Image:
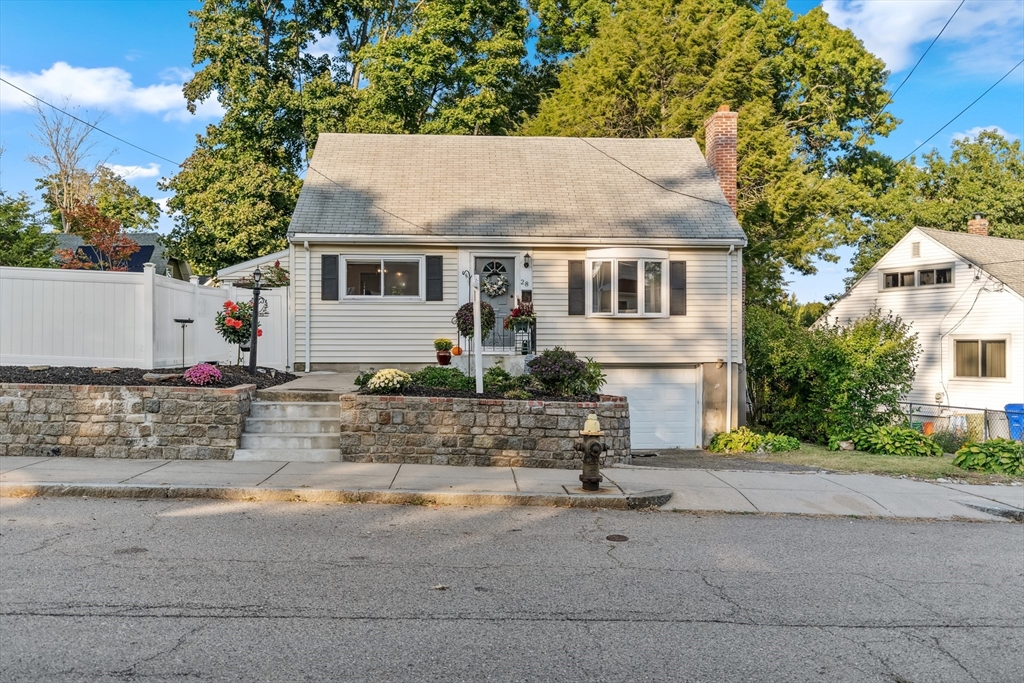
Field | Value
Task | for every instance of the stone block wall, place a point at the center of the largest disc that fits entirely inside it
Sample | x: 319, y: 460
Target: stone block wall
x: 480, y: 432
x: 174, y: 423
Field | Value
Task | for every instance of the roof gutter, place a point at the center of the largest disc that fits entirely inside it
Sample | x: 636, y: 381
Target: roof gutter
x: 468, y: 240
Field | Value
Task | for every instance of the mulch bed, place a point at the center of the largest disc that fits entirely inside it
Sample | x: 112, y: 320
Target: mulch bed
x: 464, y: 393
x: 233, y: 375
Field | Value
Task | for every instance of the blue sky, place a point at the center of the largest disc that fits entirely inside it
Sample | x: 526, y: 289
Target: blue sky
x: 130, y: 59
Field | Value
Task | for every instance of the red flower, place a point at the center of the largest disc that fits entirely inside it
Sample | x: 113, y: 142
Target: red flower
x: 229, y: 321
x: 237, y: 324
x: 228, y: 305
x: 259, y: 333
x: 277, y: 264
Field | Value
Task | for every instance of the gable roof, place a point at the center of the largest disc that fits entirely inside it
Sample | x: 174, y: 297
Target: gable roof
x: 480, y: 186
x: 999, y: 256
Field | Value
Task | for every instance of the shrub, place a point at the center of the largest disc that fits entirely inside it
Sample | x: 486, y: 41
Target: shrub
x: 950, y: 441
x: 497, y: 379
x: 388, y: 379
x: 442, y: 378
x: 558, y: 371
x: 827, y: 382
x: 892, y: 440
x: 443, y: 344
x: 202, y: 374
x: 517, y: 394
x: 743, y: 440
x: 364, y: 377
x: 592, y: 380
x: 1000, y: 456
x: 464, y: 319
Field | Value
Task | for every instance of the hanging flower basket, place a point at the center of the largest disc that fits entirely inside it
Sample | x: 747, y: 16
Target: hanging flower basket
x: 464, y: 319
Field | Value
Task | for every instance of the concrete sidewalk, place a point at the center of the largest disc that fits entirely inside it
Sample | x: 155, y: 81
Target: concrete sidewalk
x: 816, y: 493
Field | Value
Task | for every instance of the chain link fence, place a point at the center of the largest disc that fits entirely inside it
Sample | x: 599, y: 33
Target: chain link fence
x: 953, y: 426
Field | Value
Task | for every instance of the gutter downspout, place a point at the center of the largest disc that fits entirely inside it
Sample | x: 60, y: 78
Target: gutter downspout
x: 308, y: 305
x: 728, y: 351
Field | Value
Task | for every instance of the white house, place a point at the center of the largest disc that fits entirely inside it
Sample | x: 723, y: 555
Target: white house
x: 963, y: 294
x: 629, y: 249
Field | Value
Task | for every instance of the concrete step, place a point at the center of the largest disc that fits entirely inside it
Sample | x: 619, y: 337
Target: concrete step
x: 291, y: 441
x: 299, y: 395
x: 285, y: 455
x: 292, y: 425
x: 307, y: 410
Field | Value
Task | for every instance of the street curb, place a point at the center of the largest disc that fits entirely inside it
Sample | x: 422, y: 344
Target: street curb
x: 1012, y: 514
x: 310, y: 495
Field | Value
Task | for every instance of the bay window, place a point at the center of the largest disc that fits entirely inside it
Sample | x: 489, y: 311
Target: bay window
x: 627, y: 287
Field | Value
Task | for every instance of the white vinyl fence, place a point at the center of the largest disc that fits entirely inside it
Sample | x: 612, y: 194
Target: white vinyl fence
x: 93, y: 318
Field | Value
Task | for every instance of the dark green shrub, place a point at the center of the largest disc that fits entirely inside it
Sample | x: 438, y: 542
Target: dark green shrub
x: 743, y: 440
x: 592, y: 380
x: 363, y: 377
x: 437, y: 377
x: 1000, y: 456
x: 498, y: 380
x: 517, y: 394
x: 558, y: 371
x: 831, y: 380
x: 893, y: 440
x: 950, y: 441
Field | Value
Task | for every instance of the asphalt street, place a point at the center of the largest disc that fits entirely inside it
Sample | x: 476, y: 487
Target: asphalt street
x: 114, y: 590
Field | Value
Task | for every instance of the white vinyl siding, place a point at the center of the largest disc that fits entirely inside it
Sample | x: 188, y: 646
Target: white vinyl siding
x: 381, y: 332
x: 968, y: 309
x: 697, y: 337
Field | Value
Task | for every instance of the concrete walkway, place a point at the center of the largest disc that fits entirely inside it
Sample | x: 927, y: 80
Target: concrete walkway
x: 858, y: 495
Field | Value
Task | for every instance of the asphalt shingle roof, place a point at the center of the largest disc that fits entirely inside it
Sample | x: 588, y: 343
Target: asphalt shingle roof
x: 511, y: 186
x: 1003, y: 258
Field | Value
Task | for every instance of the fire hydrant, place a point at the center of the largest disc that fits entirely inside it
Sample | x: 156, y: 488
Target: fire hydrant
x: 592, y: 448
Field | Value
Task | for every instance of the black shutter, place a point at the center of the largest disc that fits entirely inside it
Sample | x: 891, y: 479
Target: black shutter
x: 435, y: 278
x: 577, y: 289
x: 677, y: 285
x: 329, y: 278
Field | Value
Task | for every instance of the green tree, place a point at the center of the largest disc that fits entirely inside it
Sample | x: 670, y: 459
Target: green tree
x: 808, y: 96
x: 115, y: 198
x: 984, y: 174
x: 23, y: 241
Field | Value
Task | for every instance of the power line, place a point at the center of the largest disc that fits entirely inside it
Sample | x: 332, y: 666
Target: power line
x: 976, y: 100
x: 654, y: 182
x: 84, y: 122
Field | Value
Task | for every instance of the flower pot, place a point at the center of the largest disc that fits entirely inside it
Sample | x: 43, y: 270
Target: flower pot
x: 521, y: 325
x: 444, y: 357
x: 244, y: 347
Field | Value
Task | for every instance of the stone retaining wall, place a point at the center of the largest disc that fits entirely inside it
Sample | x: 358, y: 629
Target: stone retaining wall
x: 481, y: 432
x: 174, y: 423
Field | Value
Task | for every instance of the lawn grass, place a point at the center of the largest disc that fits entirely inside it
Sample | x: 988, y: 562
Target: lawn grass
x: 811, y: 455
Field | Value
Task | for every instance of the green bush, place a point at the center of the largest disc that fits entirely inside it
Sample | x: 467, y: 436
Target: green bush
x: 592, y: 380
x: 437, y: 377
x: 950, y: 441
x: 1000, y: 456
x: 743, y: 440
x: 517, y: 394
x: 558, y: 371
x: 364, y: 377
x: 827, y: 382
x: 892, y: 440
x: 497, y: 379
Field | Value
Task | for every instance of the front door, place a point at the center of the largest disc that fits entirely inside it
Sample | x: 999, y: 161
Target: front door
x: 500, y: 273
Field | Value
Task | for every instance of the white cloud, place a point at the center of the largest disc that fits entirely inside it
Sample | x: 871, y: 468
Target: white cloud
x: 972, y: 134
x: 323, y: 45
x: 985, y: 34
x: 108, y: 88
x: 150, y: 171
x: 162, y: 203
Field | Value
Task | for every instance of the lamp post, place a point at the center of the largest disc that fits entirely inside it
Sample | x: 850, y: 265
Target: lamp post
x: 256, y: 277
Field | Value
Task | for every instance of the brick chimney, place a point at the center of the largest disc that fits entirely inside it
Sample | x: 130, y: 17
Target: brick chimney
x: 978, y: 225
x: 720, y: 150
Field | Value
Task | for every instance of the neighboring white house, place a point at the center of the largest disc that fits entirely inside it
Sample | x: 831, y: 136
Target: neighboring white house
x: 629, y: 249
x: 963, y: 294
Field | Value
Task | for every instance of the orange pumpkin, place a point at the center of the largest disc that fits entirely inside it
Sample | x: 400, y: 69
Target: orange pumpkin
x: 456, y: 350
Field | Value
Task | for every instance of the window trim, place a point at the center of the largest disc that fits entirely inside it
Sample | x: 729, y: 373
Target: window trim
x: 917, y: 269
x: 641, y: 260
x: 978, y: 338
x: 421, y: 259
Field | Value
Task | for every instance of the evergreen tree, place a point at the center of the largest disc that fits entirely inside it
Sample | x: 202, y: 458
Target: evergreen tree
x: 23, y: 241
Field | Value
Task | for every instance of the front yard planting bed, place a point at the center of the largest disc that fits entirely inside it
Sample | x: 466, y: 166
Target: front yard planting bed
x: 810, y: 455
x: 233, y: 375
x: 437, y: 392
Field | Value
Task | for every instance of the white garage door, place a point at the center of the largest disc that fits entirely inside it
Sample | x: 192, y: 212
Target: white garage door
x: 663, y: 407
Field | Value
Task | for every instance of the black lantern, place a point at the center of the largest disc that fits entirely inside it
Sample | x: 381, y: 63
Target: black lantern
x: 254, y: 332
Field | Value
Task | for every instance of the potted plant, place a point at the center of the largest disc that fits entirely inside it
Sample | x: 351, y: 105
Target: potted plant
x: 234, y: 323
x: 443, y: 346
x: 521, y: 317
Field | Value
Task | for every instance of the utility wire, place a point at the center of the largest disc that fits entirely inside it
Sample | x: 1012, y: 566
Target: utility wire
x: 976, y: 100
x: 82, y: 121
